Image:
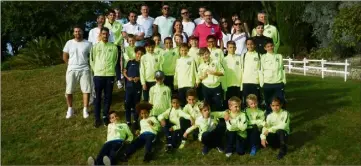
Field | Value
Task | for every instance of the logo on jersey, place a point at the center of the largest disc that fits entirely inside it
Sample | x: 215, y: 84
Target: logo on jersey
x: 256, y: 59
x: 173, y: 53
x: 164, y: 93
x: 237, y: 63
x: 156, y: 60
x: 216, y: 54
x: 277, y: 60
x: 213, y: 65
x: 212, y: 31
x: 189, y: 63
x: 269, y: 31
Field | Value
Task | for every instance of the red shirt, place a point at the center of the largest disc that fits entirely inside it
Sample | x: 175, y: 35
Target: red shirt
x: 202, y: 31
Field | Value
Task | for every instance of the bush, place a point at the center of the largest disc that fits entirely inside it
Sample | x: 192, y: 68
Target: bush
x: 322, y: 53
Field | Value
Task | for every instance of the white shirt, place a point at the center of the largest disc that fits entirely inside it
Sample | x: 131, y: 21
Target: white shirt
x: 225, y: 39
x: 184, y: 39
x: 240, y: 40
x: 188, y: 27
x: 147, y: 24
x: 135, y: 29
x: 78, y: 54
x: 94, y: 34
x: 165, y: 26
x: 201, y: 21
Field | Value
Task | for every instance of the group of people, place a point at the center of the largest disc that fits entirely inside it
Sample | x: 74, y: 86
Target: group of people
x: 180, y: 77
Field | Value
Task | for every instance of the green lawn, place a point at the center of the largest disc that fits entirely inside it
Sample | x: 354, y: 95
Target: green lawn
x: 325, y: 122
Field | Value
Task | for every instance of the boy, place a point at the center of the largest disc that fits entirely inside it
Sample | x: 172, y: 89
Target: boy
x: 259, y: 39
x: 118, y: 133
x: 232, y: 68
x: 251, y: 73
x: 216, y: 53
x: 157, y: 40
x: 149, y: 63
x: 149, y: 127
x: 133, y: 86
x: 170, y: 57
x: 236, y: 123
x: 178, y: 40
x: 159, y: 95
x: 193, y: 51
x: 209, y: 74
x: 129, y: 53
x: 277, y: 128
x: 185, y: 76
x: 256, y: 119
x: 274, y: 77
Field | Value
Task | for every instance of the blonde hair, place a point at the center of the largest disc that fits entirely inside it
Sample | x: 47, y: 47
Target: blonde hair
x: 234, y: 99
x: 252, y: 97
x: 203, y: 50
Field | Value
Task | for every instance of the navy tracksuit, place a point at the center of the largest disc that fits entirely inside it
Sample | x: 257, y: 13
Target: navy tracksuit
x: 133, y: 91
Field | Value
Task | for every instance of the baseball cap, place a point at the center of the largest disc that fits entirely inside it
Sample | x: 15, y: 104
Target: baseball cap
x: 159, y: 74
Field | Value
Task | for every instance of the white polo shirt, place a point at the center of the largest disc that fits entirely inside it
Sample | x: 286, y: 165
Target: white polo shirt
x: 188, y: 27
x: 135, y: 29
x: 93, y: 36
x: 78, y: 54
x: 240, y: 40
x: 147, y: 24
x: 165, y: 26
x: 201, y: 21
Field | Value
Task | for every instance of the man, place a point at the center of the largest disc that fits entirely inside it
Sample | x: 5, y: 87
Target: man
x: 116, y: 28
x: 76, y: 56
x: 133, y: 28
x: 208, y: 28
x: 94, y: 34
x: 259, y: 39
x: 269, y: 30
x: 103, y: 58
x: 164, y: 24
x: 146, y: 22
x: 201, y: 18
x: 119, y: 16
x: 188, y: 24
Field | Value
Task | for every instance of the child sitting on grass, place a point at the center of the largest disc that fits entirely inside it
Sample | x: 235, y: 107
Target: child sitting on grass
x: 118, y: 133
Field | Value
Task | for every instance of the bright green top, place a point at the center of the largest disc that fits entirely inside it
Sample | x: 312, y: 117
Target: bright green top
x: 232, y: 71
x: 185, y: 72
x: 237, y: 122
x: 119, y: 131
x: 272, y: 69
x: 255, y: 117
x: 193, y: 111
x: 277, y: 121
x: 116, y: 29
x: 193, y: 52
x: 146, y: 127
x: 129, y: 54
x: 103, y: 58
x: 149, y: 64
x: 203, y: 124
x: 211, y: 81
x: 170, y: 59
x: 251, y: 68
x: 158, y: 50
x: 216, y: 54
x: 160, y: 97
x: 173, y: 115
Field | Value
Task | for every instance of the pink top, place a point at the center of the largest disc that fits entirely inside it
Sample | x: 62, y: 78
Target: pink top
x: 202, y: 31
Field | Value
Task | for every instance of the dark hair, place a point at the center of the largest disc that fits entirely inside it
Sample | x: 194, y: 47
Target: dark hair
x: 110, y: 11
x: 104, y: 29
x: 184, y: 45
x: 131, y: 36
x: 211, y: 37
x: 231, y: 42
x: 235, y: 14
x: 167, y: 38
x: 262, y: 12
x: 175, y: 23
x: 143, y: 105
x: 193, y: 38
x: 77, y: 26
x: 139, y: 48
x: 113, y: 112
x: 224, y: 30
x: 149, y: 43
x: 191, y: 92
x: 174, y: 96
x: 132, y: 12
x: 204, y: 7
x: 156, y: 35
x: 269, y: 41
x: 277, y: 99
x: 203, y: 50
x: 250, y: 39
x: 179, y: 35
x: 259, y: 23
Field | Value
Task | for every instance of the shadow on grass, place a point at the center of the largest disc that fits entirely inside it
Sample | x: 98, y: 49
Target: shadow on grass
x: 300, y: 138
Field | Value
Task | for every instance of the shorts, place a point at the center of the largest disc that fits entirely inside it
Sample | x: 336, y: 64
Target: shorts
x: 73, y: 77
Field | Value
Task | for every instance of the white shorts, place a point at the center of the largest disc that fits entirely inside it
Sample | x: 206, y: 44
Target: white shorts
x: 73, y: 77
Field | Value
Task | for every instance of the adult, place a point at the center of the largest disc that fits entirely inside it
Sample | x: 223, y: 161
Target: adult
x: 94, y: 34
x: 119, y: 16
x: 269, y: 30
x: 206, y: 29
x: 234, y: 18
x: 116, y: 28
x: 146, y: 22
x: 164, y: 24
x: 132, y: 27
x: 76, y: 56
x: 188, y: 24
x: 239, y: 37
x: 201, y: 18
x: 178, y: 29
x: 103, y: 59
x: 260, y: 40
x: 226, y: 32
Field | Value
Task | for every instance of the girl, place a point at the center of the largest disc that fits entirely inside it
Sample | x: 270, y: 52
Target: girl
x: 239, y: 36
x: 226, y: 32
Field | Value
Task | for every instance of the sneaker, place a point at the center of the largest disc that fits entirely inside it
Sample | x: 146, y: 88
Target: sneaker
x: 228, y: 154
x: 119, y: 84
x: 106, y: 161
x: 91, y: 161
x: 168, y: 148
x: 220, y: 149
x: 85, y: 113
x: 69, y: 114
x: 205, y: 150
x: 181, y: 146
x: 253, y: 151
x: 97, y: 123
x: 106, y: 121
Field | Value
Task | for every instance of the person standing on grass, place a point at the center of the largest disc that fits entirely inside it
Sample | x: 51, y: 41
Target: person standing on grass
x: 103, y: 59
x: 164, y: 24
x: 76, y: 56
x: 135, y: 29
x: 188, y: 24
x: 146, y: 22
x: 119, y: 16
x: 208, y: 28
x: 202, y: 16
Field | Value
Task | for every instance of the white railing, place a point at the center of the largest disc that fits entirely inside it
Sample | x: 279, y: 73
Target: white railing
x: 323, y: 69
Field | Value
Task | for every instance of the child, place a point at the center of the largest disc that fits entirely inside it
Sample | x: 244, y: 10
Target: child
x: 170, y: 57
x: 274, y: 77
x: 132, y: 85
x: 178, y: 40
x: 149, y: 63
x: 232, y: 69
x: 159, y: 95
x: 277, y: 128
x: 157, y: 41
x: 149, y: 127
x: 216, y: 53
x: 129, y: 53
x: 260, y: 39
x: 209, y: 74
x: 251, y: 73
x: 171, y: 125
x: 193, y: 51
x: 239, y: 37
x: 236, y: 123
x: 185, y: 76
x: 118, y: 133
x: 210, y: 134
x: 256, y: 119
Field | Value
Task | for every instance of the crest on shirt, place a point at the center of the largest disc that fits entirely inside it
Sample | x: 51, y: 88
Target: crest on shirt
x: 256, y: 59
x: 109, y: 50
x: 189, y: 63
x: 237, y: 62
x: 277, y: 60
x: 269, y: 31
x: 213, y: 65
x: 216, y: 54
x: 164, y: 93
x: 173, y: 54
x: 156, y: 60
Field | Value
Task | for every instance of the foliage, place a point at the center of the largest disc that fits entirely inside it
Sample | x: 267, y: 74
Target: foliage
x: 322, y: 53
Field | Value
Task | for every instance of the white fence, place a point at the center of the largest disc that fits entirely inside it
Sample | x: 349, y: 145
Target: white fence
x: 291, y: 66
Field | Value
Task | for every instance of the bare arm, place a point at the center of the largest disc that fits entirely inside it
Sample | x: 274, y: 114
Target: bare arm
x: 155, y: 29
x: 66, y: 57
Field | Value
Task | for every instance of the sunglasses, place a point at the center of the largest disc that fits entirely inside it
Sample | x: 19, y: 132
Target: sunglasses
x: 166, y: 8
x: 223, y: 22
x: 184, y: 13
x: 238, y: 24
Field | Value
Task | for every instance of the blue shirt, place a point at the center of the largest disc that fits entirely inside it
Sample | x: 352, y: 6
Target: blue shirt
x: 133, y: 71
x: 123, y: 21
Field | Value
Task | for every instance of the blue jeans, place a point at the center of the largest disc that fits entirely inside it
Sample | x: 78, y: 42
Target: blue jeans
x: 103, y: 83
x: 146, y: 139
x: 233, y: 139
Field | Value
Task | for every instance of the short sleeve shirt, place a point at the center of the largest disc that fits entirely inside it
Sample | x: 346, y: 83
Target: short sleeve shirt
x: 202, y: 31
x: 147, y: 24
x: 135, y: 29
x: 78, y: 54
x: 188, y: 27
x: 165, y: 26
x: 94, y: 37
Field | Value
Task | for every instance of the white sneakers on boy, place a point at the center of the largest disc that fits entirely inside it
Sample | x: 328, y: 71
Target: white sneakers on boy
x: 69, y: 113
x: 85, y: 113
x: 106, y: 161
x: 228, y: 154
x: 119, y: 84
x: 91, y: 161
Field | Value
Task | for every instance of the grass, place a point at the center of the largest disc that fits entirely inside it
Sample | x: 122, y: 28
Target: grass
x: 325, y: 122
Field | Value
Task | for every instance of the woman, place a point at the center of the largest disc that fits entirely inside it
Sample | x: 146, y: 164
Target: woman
x: 226, y: 33
x: 178, y: 29
x: 239, y: 36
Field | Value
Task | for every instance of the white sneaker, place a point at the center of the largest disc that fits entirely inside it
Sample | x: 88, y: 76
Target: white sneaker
x: 119, y: 84
x: 85, y: 113
x: 106, y: 161
x: 91, y: 161
x: 69, y: 114
x: 228, y: 154
x: 181, y: 146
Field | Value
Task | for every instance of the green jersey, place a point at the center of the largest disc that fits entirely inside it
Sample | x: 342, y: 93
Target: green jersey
x: 146, y: 127
x: 170, y: 59
x: 272, y: 69
x: 103, y: 58
x: 210, y: 81
x: 119, y: 131
x: 277, y: 121
x: 149, y: 64
x: 116, y: 29
x: 255, y: 117
x: 173, y: 115
x: 160, y: 97
x: 185, y: 72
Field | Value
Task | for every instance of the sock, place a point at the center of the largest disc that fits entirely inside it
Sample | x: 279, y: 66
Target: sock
x: 70, y: 108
